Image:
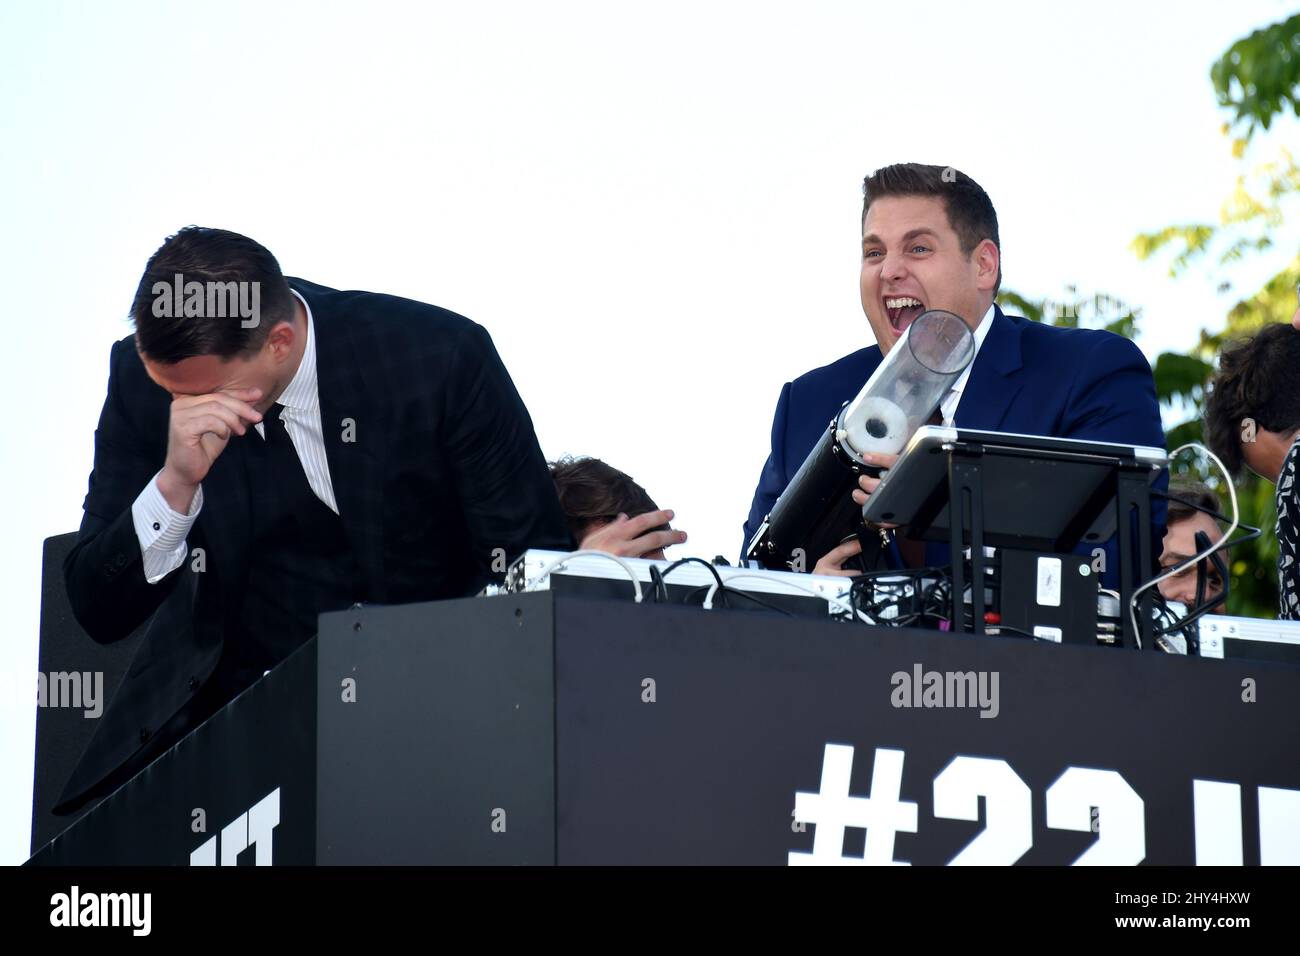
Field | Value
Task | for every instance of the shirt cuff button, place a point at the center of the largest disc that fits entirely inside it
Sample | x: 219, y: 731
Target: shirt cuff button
x: 157, y: 526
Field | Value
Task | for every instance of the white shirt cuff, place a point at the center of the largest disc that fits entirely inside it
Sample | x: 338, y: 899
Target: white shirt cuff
x: 161, y: 531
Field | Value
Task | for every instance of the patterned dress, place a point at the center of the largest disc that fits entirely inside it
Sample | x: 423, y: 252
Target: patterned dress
x: 1288, y: 514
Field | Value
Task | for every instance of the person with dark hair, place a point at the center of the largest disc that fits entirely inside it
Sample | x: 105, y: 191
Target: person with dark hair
x: 608, y: 511
x: 271, y: 449
x: 1191, y: 509
x: 1252, y: 419
x: 930, y: 240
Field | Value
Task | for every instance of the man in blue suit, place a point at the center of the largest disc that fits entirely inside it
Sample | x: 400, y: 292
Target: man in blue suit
x: 930, y: 241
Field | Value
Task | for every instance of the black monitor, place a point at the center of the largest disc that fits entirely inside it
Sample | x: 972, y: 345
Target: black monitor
x: 1022, y: 492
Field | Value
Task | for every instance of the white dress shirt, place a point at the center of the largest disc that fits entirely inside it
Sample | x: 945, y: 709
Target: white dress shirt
x: 950, y: 401
x: 162, y: 531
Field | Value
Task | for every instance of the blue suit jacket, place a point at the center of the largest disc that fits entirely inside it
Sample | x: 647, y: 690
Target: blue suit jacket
x: 1028, y: 378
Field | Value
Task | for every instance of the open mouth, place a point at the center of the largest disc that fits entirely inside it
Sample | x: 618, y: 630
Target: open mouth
x: 903, y: 311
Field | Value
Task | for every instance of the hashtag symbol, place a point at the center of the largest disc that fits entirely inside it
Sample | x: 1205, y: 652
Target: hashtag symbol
x: 832, y: 809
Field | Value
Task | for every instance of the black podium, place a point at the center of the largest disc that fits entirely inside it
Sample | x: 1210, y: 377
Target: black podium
x: 543, y: 729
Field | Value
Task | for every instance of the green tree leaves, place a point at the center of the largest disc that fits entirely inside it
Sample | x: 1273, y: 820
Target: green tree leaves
x: 1258, y: 77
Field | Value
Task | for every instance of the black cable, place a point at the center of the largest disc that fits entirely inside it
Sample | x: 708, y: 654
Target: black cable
x: 872, y: 599
x: 724, y: 591
x: 1252, y: 531
x: 1165, y: 616
x: 657, y: 586
x: 680, y: 561
x: 1013, y: 630
x: 1203, y: 604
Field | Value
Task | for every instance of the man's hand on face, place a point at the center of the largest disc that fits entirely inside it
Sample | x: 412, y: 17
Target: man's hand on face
x: 632, y: 537
x: 201, y: 426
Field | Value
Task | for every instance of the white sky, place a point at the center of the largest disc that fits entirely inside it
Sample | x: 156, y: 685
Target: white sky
x: 653, y: 209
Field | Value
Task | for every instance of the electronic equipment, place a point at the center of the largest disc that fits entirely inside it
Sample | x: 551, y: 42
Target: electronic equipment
x: 1051, y: 596
x: 1026, y: 493
x: 1244, y: 638
x: 816, y: 511
x: 1025, y: 596
x: 1017, y: 470
x: 690, y: 581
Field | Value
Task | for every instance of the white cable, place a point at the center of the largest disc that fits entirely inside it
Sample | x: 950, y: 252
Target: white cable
x: 713, y: 588
x: 1195, y: 559
x: 559, y: 562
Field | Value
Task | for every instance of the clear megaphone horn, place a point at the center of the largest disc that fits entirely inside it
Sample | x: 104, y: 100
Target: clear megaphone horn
x: 815, y: 513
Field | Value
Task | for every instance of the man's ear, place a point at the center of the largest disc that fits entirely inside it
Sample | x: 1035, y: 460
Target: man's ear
x: 987, y: 262
x: 281, y: 339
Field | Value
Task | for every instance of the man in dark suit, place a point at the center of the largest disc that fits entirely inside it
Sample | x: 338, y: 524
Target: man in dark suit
x: 930, y: 241
x: 271, y: 449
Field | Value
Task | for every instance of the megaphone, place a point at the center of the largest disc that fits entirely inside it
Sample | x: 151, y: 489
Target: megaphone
x: 815, y: 513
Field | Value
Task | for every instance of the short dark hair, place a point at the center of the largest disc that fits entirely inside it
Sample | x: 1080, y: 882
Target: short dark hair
x: 970, y: 211
x: 1189, y: 498
x: 592, y: 492
x: 215, y: 258
x: 1256, y: 382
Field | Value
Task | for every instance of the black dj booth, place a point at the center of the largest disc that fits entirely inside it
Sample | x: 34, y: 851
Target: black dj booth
x: 552, y: 728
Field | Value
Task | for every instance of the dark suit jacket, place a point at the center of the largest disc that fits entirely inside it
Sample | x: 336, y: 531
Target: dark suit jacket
x: 443, y: 469
x: 1029, y: 378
